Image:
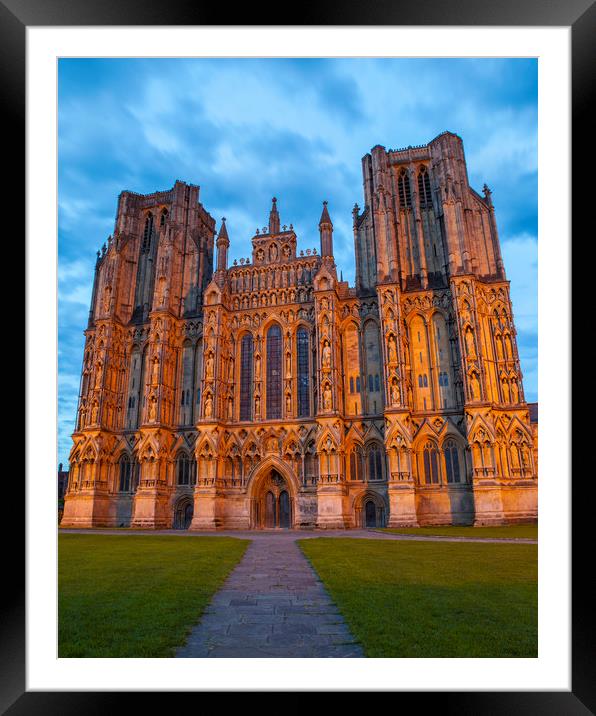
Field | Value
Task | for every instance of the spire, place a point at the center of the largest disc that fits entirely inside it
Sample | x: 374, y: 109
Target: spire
x: 325, y: 218
x: 274, y: 218
x: 326, y: 232
x: 223, y: 232
x: 223, y: 243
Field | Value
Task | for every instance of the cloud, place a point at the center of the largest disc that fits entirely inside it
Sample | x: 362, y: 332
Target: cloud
x: 246, y: 130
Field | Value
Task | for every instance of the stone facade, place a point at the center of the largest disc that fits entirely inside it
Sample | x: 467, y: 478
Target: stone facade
x: 271, y: 394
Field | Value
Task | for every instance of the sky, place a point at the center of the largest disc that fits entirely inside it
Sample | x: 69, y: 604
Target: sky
x: 246, y: 130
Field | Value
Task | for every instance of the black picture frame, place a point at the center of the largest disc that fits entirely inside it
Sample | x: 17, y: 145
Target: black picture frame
x: 580, y: 15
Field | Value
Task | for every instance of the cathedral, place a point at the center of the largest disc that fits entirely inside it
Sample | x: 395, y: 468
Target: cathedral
x: 272, y: 394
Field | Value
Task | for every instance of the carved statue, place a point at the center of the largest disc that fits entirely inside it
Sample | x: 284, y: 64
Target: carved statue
x: 209, y: 366
x: 231, y: 370
x: 208, y: 406
x: 98, y: 374
x: 288, y: 403
x: 395, y: 392
x: 288, y: 365
x: 514, y: 392
x: 257, y: 367
x: 508, y: 346
x: 155, y: 370
x: 152, y: 408
x: 475, y: 386
x: 230, y: 407
x: 326, y: 356
x: 392, y: 350
x: 505, y: 385
x: 107, y: 294
x: 327, y: 397
x: 470, y: 346
x: 257, y: 406
x: 94, y: 412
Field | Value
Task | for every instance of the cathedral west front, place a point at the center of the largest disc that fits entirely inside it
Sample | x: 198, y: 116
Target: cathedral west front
x: 270, y: 393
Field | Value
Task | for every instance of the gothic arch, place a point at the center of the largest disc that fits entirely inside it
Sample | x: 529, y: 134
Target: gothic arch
x: 272, y: 462
x: 362, y: 514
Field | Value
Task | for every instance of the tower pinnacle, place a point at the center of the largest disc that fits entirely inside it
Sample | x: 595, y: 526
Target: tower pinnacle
x: 274, y: 218
x: 326, y: 232
x: 223, y: 243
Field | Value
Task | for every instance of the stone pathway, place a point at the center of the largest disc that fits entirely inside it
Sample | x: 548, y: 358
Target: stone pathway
x: 272, y: 605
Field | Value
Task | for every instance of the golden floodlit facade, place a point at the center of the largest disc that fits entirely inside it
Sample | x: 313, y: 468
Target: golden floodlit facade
x: 271, y: 394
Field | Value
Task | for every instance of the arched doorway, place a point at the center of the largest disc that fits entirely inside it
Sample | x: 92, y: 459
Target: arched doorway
x: 370, y: 514
x: 370, y: 510
x: 183, y: 512
x: 272, y: 503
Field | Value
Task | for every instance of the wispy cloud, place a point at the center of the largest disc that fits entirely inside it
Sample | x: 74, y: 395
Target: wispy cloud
x: 248, y: 129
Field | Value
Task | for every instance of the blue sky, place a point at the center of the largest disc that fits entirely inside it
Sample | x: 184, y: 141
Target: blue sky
x: 249, y: 129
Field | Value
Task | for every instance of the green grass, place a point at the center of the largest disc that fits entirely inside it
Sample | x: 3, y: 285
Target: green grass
x: 136, y: 596
x: 505, y: 532
x: 432, y: 599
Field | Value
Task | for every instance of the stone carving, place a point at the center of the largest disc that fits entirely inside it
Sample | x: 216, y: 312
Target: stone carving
x: 326, y: 356
x: 327, y: 397
x: 470, y: 344
x: 161, y: 366
x: 475, y: 386
x: 514, y: 392
x: 392, y: 349
x: 209, y: 366
x: 152, y: 408
x: 98, y: 374
x: 394, y: 392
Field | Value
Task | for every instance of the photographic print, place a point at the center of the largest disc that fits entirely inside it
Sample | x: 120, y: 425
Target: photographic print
x: 297, y: 358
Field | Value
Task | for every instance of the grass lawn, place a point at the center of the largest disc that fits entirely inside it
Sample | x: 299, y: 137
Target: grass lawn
x: 505, y: 532
x: 136, y: 596
x: 433, y: 599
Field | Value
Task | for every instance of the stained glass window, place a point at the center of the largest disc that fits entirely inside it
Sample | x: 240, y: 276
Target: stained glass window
x: 246, y: 352
x: 147, y: 232
x: 431, y: 468
x: 451, y: 461
x: 375, y: 468
x: 424, y: 188
x: 274, y: 373
x: 125, y: 471
x: 403, y: 185
x: 303, y: 375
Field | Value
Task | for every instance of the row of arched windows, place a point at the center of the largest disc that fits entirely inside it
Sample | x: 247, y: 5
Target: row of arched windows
x: 432, y: 463
x: 370, y: 468
x: 128, y: 478
x: 424, y: 191
x: 128, y: 475
x: 186, y: 470
x: 273, y: 373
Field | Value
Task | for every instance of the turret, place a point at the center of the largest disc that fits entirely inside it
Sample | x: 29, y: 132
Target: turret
x: 274, y: 218
x: 326, y: 231
x: 223, y: 244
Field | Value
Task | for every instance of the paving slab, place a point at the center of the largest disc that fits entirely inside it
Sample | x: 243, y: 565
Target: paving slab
x: 272, y: 606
